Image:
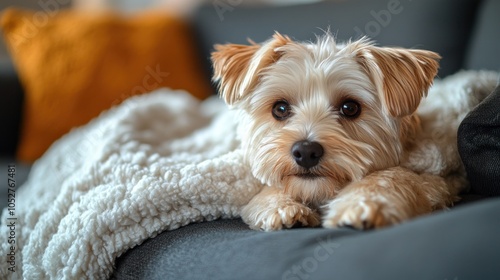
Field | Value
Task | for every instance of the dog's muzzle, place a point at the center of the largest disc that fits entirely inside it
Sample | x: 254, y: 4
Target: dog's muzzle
x: 306, y: 153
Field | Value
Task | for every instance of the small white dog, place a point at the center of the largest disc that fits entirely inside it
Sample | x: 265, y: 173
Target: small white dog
x: 333, y: 128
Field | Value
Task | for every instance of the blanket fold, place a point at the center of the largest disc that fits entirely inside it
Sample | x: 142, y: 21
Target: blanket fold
x: 154, y: 163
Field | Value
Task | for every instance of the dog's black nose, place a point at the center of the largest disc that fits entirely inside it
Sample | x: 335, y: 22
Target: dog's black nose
x: 307, y: 154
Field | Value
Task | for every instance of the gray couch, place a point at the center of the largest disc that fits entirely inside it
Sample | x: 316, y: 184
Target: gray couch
x: 458, y: 244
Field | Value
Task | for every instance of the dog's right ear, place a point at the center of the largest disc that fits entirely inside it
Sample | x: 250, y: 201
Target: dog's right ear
x: 237, y: 67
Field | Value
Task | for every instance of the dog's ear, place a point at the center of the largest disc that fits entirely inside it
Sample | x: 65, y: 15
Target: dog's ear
x: 402, y: 76
x: 237, y: 67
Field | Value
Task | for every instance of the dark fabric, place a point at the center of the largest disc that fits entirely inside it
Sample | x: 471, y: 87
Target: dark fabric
x: 458, y: 244
x: 485, y: 41
x: 479, y: 146
x: 11, y: 97
x: 443, y: 26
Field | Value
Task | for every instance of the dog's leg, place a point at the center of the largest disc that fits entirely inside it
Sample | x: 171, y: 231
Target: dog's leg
x: 272, y: 209
x: 387, y: 197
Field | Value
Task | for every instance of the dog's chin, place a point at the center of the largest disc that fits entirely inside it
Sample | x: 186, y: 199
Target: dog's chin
x: 310, y: 188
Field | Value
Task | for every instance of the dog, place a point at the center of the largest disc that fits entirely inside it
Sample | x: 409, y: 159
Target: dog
x: 335, y: 132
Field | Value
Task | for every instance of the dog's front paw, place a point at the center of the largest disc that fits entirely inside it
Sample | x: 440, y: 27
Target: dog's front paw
x: 274, y: 216
x: 361, y: 213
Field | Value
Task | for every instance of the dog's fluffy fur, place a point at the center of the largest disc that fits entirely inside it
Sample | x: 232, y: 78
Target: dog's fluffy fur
x: 381, y: 160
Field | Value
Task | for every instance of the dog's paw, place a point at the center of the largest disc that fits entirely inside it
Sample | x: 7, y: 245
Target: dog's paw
x: 361, y: 214
x: 276, y: 216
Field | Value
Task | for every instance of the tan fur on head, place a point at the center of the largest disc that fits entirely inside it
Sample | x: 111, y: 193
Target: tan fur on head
x: 237, y: 67
x: 402, y: 75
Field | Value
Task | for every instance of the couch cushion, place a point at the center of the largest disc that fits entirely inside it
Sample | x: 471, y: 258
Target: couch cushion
x: 479, y: 146
x: 442, y: 26
x: 459, y: 244
x: 485, y: 43
x: 73, y: 65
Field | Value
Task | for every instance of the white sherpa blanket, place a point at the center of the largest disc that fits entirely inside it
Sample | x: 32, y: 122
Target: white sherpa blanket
x: 156, y: 162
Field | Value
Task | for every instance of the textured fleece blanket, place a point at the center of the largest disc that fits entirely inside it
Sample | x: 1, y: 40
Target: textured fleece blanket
x: 154, y: 163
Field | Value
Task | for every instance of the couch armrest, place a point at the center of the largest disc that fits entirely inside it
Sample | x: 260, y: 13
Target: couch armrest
x: 11, y: 104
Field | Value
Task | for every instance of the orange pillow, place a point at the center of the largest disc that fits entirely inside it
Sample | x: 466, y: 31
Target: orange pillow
x: 73, y: 65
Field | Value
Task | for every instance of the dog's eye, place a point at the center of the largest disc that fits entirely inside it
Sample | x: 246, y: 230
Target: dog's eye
x: 281, y: 110
x: 350, y: 109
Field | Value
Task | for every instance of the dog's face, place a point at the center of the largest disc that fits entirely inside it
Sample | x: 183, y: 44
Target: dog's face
x: 317, y: 116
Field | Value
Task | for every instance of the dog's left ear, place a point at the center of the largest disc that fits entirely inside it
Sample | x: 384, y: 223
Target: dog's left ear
x: 237, y: 67
x: 402, y: 76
